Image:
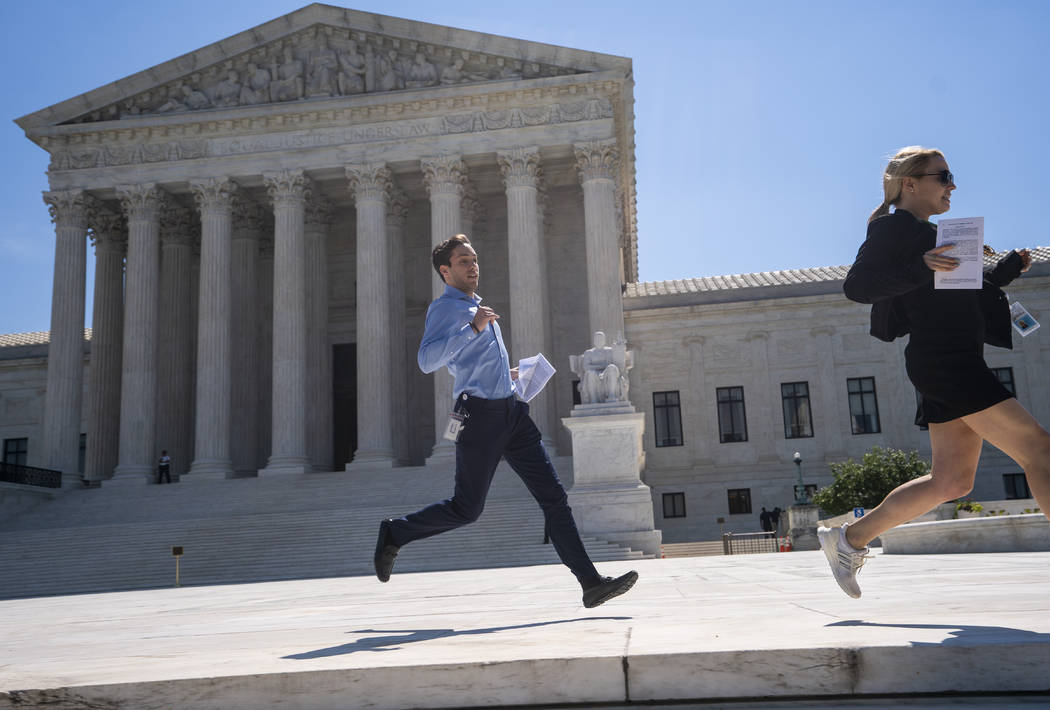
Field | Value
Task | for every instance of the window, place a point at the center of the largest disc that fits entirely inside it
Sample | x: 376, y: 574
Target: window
x: 795, y: 400
x: 1006, y: 377
x: 739, y: 501
x: 732, y: 419
x: 674, y: 505
x: 1016, y: 486
x: 15, y: 451
x: 863, y: 406
x: 667, y: 418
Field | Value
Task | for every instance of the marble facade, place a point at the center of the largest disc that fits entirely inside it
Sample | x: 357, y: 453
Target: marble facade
x: 276, y: 195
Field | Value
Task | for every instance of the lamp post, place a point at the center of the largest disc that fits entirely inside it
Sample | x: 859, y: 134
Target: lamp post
x: 800, y: 488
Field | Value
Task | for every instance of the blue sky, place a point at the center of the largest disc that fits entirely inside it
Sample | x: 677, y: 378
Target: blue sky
x: 761, y: 125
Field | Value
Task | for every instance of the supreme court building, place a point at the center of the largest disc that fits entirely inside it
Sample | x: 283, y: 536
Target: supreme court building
x: 263, y: 210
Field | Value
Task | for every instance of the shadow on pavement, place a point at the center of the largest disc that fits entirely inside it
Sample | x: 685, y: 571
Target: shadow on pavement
x: 963, y: 634
x: 396, y: 638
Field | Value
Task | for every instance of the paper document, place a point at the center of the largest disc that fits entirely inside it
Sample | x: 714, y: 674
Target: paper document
x: 1023, y: 321
x: 967, y: 234
x: 533, y: 373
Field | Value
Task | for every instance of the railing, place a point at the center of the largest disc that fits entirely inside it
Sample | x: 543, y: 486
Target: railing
x: 749, y: 543
x: 29, y: 476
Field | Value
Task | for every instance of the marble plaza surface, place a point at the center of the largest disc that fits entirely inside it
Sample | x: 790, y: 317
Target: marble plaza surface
x: 758, y: 629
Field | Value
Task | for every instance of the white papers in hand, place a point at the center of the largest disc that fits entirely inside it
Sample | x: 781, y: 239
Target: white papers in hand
x: 533, y: 374
x: 967, y: 234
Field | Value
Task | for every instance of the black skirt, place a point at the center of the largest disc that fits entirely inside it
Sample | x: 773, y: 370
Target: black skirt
x: 952, y: 381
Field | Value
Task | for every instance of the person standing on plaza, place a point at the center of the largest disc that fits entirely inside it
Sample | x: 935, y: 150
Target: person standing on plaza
x: 464, y: 336
x: 164, y: 467
x: 961, y: 400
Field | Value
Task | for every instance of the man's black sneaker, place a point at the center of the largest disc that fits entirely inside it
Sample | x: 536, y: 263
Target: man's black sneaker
x: 386, y: 552
x: 608, y: 588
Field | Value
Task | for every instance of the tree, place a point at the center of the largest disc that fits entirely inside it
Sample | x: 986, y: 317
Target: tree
x: 867, y: 482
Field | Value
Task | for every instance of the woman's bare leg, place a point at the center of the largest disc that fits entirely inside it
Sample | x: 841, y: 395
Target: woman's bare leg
x: 956, y: 450
x: 1009, y: 427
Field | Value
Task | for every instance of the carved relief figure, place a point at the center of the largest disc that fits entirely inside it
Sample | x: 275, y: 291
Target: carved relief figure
x: 256, y: 90
x: 421, y: 73
x: 603, y: 371
x: 323, y: 69
x: 388, y: 72
x: 194, y: 99
x: 287, y: 84
x: 183, y: 98
x: 454, y: 74
x: 352, y: 70
x: 228, y: 91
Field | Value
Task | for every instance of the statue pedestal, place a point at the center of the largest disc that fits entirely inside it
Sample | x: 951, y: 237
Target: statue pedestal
x: 802, y: 524
x: 608, y: 498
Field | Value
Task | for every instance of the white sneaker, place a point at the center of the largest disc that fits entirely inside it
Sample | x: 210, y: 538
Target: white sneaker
x: 845, y: 560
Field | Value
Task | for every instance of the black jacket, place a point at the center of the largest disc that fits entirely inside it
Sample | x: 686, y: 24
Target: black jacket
x: 889, y: 264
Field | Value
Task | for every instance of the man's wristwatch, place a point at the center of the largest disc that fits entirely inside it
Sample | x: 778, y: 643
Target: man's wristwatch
x: 474, y: 328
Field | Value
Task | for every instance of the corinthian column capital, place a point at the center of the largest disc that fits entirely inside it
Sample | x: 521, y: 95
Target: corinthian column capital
x: 318, y: 212
x: 520, y: 167
x: 597, y: 160
x: 70, y: 208
x: 109, y: 231
x: 248, y: 218
x: 140, y: 201
x: 369, y: 182
x: 288, y: 187
x: 178, y: 225
x: 444, y: 175
x: 213, y: 195
x: 397, y: 207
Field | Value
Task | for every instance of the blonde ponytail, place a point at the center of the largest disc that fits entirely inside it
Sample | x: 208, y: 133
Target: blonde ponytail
x: 907, y: 162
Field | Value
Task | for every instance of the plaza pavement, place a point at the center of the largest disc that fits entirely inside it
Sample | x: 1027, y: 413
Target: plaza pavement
x: 746, y: 631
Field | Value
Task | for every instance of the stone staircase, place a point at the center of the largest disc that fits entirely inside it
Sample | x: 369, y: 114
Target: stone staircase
x: 705, y: 548
x: 120, y: 536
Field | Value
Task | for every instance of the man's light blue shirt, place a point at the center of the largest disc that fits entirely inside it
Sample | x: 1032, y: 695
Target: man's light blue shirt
x: 478, y: 361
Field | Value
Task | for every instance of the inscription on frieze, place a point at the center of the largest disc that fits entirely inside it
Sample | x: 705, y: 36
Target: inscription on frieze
x: 78, y: 156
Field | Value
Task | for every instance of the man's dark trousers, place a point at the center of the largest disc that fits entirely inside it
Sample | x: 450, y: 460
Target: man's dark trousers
x: 495, y: 429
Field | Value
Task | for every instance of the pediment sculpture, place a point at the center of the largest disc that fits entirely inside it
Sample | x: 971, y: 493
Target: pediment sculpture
x: 322, y: 62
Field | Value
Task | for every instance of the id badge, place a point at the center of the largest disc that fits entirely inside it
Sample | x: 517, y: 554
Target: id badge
x: 454, y: 427
x: 456, y: 419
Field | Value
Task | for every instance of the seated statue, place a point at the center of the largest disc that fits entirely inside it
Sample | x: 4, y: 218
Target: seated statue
x: 256, y: 89
x: 602, y: 370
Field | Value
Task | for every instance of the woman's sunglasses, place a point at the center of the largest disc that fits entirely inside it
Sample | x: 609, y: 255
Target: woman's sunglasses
x: 944, y: 177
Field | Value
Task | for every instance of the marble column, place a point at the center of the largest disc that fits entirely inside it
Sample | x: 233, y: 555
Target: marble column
x: 370, y: 185
x: 396, y: 214
x: 318, y: 350
x: 264, y: 342
x: 212, y: 459
x: 445, y: 179
x: 528, y: 295
x: 175, y: 351
x: 598, y: 165
x: 289, y: 190
x: 471, y: 212
x: 138, y: 385
x: 109, y: 235
x: 60, y: 448
x: 244, y: 341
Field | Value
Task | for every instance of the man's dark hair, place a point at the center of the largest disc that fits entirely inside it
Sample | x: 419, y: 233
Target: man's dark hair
x: 442, y: 255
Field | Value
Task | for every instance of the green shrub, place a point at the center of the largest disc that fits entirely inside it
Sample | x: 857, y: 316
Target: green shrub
x: 967, y: 504
x: 866, y: 482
